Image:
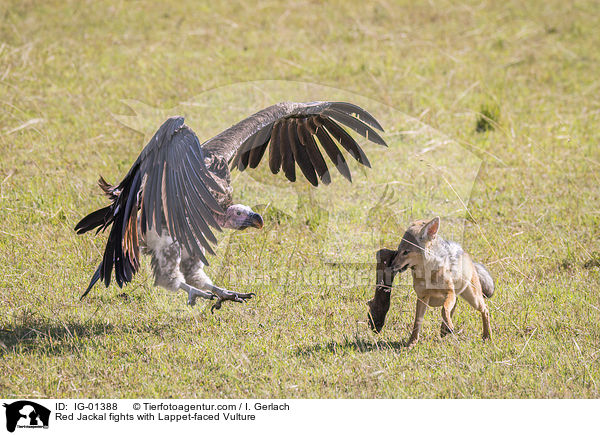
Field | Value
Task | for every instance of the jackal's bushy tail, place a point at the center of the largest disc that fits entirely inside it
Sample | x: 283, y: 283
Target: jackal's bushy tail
x: 486, y: 280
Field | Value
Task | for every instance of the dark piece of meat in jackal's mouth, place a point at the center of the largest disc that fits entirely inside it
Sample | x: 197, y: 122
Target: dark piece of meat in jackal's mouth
x: 380, y: 304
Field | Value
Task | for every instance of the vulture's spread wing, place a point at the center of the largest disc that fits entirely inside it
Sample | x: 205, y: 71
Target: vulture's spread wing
x: 292, y: 130
x: 168, y: 179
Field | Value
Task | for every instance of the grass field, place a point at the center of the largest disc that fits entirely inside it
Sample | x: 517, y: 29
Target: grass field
x: 508, y: 90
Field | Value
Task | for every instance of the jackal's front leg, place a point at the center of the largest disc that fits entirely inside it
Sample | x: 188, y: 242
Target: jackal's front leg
x: 447, y: 312
x: 419, y: 314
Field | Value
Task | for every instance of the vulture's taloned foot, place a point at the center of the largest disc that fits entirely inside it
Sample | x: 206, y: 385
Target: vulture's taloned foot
x: 194, y: 293
x: 226, y: 295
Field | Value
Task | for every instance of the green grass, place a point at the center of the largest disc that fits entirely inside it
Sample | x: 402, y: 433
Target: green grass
x: 529, y: 70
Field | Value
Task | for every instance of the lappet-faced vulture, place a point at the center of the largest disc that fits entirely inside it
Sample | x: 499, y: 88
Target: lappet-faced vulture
x: 178, y: 189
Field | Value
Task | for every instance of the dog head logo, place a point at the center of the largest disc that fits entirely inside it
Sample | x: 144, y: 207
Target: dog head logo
x: 26, y: 414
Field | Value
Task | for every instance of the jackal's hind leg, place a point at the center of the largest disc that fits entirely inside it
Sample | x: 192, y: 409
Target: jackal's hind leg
x: 485, y: 317
x: 474, y: 296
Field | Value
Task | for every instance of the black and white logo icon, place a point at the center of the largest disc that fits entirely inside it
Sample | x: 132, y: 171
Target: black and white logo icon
x: 26, y: 414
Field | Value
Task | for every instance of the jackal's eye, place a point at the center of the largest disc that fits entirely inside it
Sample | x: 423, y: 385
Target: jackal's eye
x: 405, y: 253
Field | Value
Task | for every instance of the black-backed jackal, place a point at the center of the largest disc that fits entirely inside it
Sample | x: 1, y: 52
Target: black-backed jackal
x: 441, y: 271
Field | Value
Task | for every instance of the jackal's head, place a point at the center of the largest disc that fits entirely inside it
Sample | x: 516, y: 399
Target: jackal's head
x: 414, y: 242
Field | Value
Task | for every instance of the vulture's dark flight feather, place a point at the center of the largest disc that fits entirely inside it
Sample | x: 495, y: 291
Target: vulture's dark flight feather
x: 178, y: 188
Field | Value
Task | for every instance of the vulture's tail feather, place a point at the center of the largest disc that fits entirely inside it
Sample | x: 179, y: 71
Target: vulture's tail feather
x: 96, y: 219
x: 93, y: 281
x: 122, y: 248
x: 109, y: 190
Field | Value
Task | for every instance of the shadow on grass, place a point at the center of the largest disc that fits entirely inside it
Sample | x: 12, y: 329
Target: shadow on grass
x: 35, y: 336
x: 356, y: 345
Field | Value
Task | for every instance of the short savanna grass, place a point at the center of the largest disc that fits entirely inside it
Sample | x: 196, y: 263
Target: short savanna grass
x: 528, y: 72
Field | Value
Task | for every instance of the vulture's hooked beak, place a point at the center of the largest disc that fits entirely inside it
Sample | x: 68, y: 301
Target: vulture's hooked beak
x: 256, y: 220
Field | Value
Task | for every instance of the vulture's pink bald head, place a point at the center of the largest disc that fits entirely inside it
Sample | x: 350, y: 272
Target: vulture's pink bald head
x: 240, y: 217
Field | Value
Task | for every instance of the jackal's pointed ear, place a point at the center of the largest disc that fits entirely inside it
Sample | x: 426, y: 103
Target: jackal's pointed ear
x: 430, y: 229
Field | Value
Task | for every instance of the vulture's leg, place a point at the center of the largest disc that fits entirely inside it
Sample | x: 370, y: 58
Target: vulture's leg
x: 194, y: 293
x: 226, y: 295
x: 166, y: 259
x: 193, y: 271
